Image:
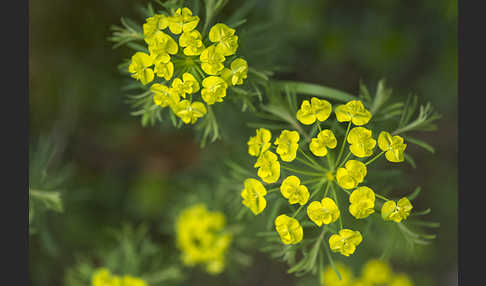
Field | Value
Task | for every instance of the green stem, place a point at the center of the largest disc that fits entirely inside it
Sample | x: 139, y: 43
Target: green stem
x: 381, y: 197
x: 344, y: 160
x: 312, y: 161
x: 344, y: 142
x: 327, y: 189
x: 303, y: 172
x: 374, y: 158
x: 337, y: 203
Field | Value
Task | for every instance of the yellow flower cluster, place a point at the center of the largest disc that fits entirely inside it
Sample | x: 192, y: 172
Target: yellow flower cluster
x: 202, y: 238
x: 103, y: 277
x: 348, y: 174
x: 374, y: 272
x: 186, y: 62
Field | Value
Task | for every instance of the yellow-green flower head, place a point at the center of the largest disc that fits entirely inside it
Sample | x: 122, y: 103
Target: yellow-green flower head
x: 154, y: 24
x: 161, y: 45
x: 192, y: 43
x: 101, y: 277
x: 162, y: 95
x: 316, y: 109
x: 164, y: 70
x: 287, y: 145
x: 292, y: 190
x: 132, y: 281
x: 237, y: 73
x: 254, y: 196
x: 345, y: 242
x: 260, y: 142
x: 396, y: 211
x: 362, y: 144
x: 362, y: 202
x: 376, y: 271
x: 212, y: 60
x: 214, y: 89
x: 330, y: 278
x: 269, y: 167
x: 139, y: 67
x: 201, y: 237
x: 393, y: 146
x: 225, y: 39
x: 190, y: 112
x: 353, y: 111
x: 182, y: 21
x: 401, y: 280
x: 351, y: 175
x: 323, y: 212
x: 325, y: 139
x: 187, y: 85
x: 289, y: 229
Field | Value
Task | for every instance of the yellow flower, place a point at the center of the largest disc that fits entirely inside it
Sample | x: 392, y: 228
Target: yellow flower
x: 396, y: 211
x: 154, y: 24
x: 182, y: 21
x: 190, y: 112
x: 323, y: 212
x: 362, y: 143
x: 163, y: 70
x: 345, y: 242
x: 325, y: 139
x: 161, y: 45
x: 362, y: 202
x: 289, y: 229
x: 101, y: 277
x: 132, y: 281
x: 202, y: 238
x: 376, y: 271
x: 269, y: 167
x: 188, y: 85
x: 330, y: 278
x: 139, y: 67
x: 351, y: 175
x: 287, y: 145
x: 214, y: 89
x: 225, y: 39
x: 211, y: 60
x: 254, y: 195
x: 192, y: 43
x: 237, y: 73
x: 400, y: 280
x: 260, y: 142
x: 316, y: 109
x: 163, y: 96
x: 393, y: 146
x: 353, y: 111
x: 292, y: 190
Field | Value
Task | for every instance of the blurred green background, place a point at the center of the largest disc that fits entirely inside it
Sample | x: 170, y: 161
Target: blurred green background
x: 122, y: 172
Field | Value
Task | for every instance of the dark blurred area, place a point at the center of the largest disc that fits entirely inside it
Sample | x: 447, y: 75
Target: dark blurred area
x: 121, y: 170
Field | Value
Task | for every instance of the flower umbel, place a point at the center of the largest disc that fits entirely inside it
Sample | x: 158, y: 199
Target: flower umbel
x: 289, y: 229
x: 254, y: 195
x: 392, y: 146
x: 323, y: 212
x: 292, y: 190
x: 345, y: 242
x: 396, y: 211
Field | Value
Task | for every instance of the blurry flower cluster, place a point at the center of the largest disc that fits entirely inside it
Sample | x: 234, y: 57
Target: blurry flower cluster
x: 103, y: 277
x: 184, y: 64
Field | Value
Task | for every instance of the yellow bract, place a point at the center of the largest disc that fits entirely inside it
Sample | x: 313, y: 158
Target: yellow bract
x: 289, y: 229
x: 351, y: 175
x: 201, y: 237
x: 259, y: 143
x: 164, y: 70
x: 353, y: 111
x: 211, y: 60
x: 192, y: 43
x: 393, y: 146
x: 225, y: 39
x: 163, y: 96
x: 316, y: 109
x: 325, y: 139
x: 376, y: 271
x: 362, y: 202
x: 287, y: 145
x: 400, y: 280
x: 161, y: 46
x: 362, y: 144
x: 269, y: 167
x: 254, y: 195
x: 396, y: 211
x: 189, y: 112
x: 103, y: 277
x: 214, y: 89
x: 182, y: 21
x: 330, y: 278
x: 345, y: 242
x: 292, y: 190
x: 237, y: 73
x: 139, y: 67
x: 323, y: 212
x: 154, y: 24
x: 188, y: 85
